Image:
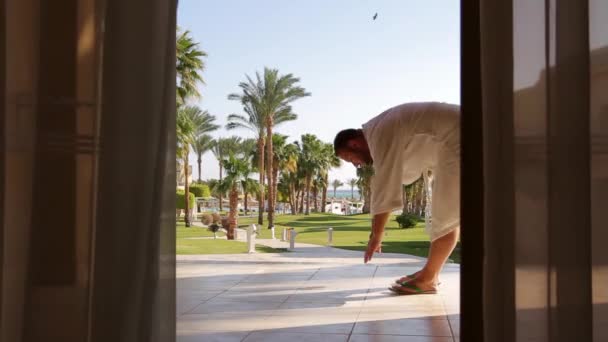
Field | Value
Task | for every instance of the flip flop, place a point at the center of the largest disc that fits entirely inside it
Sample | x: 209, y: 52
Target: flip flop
x: 411, y: 289
x: 411, y: 277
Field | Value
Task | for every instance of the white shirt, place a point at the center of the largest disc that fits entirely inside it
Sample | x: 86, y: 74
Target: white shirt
x: 406, y: 140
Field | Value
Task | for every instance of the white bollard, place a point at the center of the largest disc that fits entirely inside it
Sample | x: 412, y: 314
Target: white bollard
x: 272, y: 232
x: 292, y: 238
x: 284, y: 236
x: 330, y: 236
x: 251, y: 239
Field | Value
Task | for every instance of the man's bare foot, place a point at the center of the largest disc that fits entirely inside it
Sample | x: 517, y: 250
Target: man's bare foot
x: 407, y: 277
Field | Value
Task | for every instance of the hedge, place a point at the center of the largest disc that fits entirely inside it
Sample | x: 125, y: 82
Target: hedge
x: 180, y: 200
x: 200, y: 190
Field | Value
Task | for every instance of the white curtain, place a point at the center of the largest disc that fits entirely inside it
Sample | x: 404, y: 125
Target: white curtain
x: 87, y: 247
x: 544, y: 86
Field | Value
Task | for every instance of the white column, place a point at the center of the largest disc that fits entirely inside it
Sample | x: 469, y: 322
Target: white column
x: 292, y: 238
x: 428, y: 184
x: 251, y: 238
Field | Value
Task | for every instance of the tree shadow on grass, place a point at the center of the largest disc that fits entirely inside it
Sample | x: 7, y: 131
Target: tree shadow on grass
x: 305, y: 224
x: 323, y: 218
x: 417, y: 248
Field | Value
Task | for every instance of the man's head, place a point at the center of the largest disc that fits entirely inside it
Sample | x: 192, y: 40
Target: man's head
x: 350, y: 145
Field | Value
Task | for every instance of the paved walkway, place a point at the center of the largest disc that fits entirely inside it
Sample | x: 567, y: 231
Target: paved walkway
x: 313, y: 293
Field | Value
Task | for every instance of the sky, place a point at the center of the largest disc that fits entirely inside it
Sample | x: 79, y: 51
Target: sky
x: 354, y: 67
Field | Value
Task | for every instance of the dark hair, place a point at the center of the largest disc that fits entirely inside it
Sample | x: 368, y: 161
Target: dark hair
x: 342, y: 138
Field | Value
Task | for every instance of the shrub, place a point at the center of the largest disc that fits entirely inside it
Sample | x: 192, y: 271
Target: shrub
x: 200, y: 190
x: 207, y: 219
x: 216, y: 218
x: 225, y: 223
x: 214, y: 228
x: 180, y: 203
x: 406, y: 220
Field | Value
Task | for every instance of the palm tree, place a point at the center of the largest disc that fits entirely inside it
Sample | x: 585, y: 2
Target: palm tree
x: 270, y: 96
x: 185, y: 137
x: 352, y: 182
x: 249, y: 186
x: 247, y: 151
x: 221, y: 149
x: 284, y: 159
x: 330, y: 160
x: 254, y: 121
x: 213, y: 186
x: 202, y: 123
x: 290, y: 169
x: 237, y: 170
x: 318, y: 184
x: 311, y: 158
x: 336, y: 184
x: 201, y: 145
x: 365, y: 174
x: 189, y: 66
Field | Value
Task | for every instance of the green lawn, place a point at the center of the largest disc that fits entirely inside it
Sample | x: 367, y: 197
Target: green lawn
x: 186, y: 245
x: 352, y: 232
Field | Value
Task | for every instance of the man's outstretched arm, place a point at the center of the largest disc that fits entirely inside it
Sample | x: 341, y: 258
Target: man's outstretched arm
x: 375, y: 239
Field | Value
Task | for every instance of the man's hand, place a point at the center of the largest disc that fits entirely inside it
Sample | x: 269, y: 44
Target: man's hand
x: 375, y: 238
x: 373, y: 245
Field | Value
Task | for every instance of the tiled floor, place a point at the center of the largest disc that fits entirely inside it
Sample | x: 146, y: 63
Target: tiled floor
x: 310, y: 294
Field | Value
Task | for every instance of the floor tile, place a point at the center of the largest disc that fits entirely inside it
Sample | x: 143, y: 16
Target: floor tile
x: 218, y: 305
x: 305, y: 296
x: 210, y: 336
x: 222, y: 322
x: 397, y: 338
x: 338, y: 296
x: 299, y: 337
x: 257, y: 295
x: 311, y: 318
x: 370, y: 313
x: 197, y: 294
x: 274, y: 278
x: 414, y: 327
x: 455, y: 324
x: 185, y: 305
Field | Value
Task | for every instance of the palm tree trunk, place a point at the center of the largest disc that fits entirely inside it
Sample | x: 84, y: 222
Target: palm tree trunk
x: 423, y: 200
x: 220, y: 193
x: 261, y: 180
x: 366, y: 199
x: 200, y: 162
x: 302, y: 195
x: 307, y: 193
x: 270, y: 159
x: 418, y: 198
x: 246, y: 212
x: 186, y: 191
x: 275, y: 187
x: 232, y: 215
x: 292, y: 199
x: 324, y: 196
x: 405, y: 199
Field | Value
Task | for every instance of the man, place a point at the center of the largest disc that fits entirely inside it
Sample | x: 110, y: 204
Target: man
x: 401, y: 144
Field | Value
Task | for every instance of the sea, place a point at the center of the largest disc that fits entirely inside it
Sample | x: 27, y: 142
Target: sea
x: 342, y: 193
